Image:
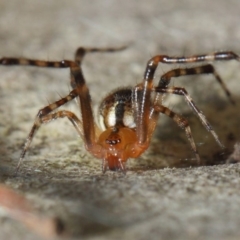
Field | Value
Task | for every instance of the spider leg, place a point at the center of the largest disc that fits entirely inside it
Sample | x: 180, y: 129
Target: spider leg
x: 44, y: 112
x: 77, y: 123
x: 183, y: 92
x: 182, y: 123
x: 45, y: 119
x: 80, y: 89
x: 82, y: 51
x: 142, y: 92
x: 10, y: 61
x: 205, y: 69
x: 217, y: 56
x: 79, y: 55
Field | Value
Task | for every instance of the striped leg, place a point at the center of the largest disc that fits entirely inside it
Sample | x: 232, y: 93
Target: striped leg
x: 44, y: 115
x: 79, y: 55
x: 81, y: 52
x: 77, y: 81
x: 80, y: 90
x: 182, y: 123
x: 143, y: 96
x: 217, y: 56
x: 205, y: 69
x: 183, y: 92
x: 77, y: 123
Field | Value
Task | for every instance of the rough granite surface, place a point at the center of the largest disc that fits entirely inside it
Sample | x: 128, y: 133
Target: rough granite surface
x: 163, y: 195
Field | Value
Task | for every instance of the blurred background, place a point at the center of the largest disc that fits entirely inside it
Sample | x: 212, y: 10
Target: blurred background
x: 52, y: 30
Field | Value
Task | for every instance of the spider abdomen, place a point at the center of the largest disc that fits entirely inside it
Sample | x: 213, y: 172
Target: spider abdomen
x: 116, y: 110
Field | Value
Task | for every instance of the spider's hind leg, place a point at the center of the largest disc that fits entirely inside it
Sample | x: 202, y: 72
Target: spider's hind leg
x: 182, y: 123
x: 44, y: 115
x: 191, y: 103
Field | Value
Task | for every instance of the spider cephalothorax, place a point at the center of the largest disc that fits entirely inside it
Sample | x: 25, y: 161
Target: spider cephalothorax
x: 117, y: 121
x: 127, y: 116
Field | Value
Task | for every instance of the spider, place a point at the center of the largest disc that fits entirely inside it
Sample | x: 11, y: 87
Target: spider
x: 127, y: 116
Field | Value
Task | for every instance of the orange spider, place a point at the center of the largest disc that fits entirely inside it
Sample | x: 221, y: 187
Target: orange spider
x: 128, y: 116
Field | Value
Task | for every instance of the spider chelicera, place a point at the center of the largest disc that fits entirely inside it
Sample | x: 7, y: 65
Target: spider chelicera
x: 128, y: 116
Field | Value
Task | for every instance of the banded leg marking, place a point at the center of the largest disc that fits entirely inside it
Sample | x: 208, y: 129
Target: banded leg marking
x: 182, y: 123
x: 147, y: 84
x: 217, y: 56
x: 183, y: 92
x: 37, y: 123
x: 205, y: 69
x: 81, y: 51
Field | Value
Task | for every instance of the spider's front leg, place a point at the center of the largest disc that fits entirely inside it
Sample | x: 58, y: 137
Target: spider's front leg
x: 217, y: 56
x: 165, y: 79
x: 150, y: 117
x: 145, y: 116
x: 86, y: 128
x: 205, y: 69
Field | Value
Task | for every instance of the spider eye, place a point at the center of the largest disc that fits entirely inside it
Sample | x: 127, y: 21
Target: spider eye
x: 117, y: 140
x: 113, y: 141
